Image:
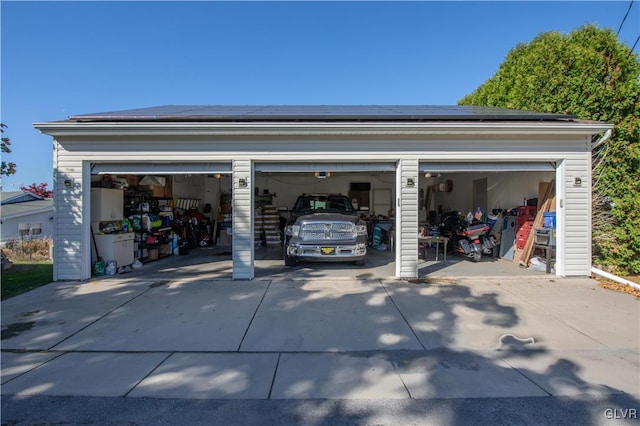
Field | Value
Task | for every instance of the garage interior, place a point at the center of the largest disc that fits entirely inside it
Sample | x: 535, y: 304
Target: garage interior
x: 158, y: 219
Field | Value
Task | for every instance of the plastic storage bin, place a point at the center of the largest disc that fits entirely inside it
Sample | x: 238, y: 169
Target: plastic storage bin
x: 549, y: 219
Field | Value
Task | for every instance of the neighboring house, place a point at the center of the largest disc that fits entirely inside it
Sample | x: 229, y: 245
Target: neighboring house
x: 25, y: 215
x: 407, y: 159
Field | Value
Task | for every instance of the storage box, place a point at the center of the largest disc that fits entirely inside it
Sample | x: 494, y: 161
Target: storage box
x: 527, y: 212
x: 153, y: 254
x: 167, y: 218
x: 156, y: 191
x: 544, y: 237
x: 549, y: 219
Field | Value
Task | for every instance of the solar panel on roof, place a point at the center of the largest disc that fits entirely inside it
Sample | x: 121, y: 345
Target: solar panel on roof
x: 317, y: 113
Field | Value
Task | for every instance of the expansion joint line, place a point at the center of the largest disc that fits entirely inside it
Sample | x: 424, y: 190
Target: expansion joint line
x: 98, y: 319
x: 275, y: 373
x: 402, y: 315
x: 254, y: 315
x: 148, y: 374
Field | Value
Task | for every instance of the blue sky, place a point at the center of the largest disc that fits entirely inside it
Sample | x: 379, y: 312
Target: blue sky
x: 66, y: 58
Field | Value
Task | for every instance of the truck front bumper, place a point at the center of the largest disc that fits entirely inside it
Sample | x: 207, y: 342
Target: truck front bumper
x: 328, y: 253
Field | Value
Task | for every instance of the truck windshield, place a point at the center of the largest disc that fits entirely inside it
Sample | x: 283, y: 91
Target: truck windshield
x: 323, y: 203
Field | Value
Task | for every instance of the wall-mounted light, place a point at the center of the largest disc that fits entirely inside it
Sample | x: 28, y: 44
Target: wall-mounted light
x: 242, y: 182
x: 322, y: 175
x: 577, y: 181
x: 411, y: 182
x: 68, y: 183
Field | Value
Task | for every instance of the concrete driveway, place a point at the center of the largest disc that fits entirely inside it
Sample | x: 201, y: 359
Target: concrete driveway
x: 307, y: 338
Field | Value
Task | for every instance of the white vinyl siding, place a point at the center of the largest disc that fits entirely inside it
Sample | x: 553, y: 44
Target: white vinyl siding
x: 69, y: 248
x: 362, y: 146
x: 309, y: 166
x: 242, y: 220
x: 407, y: 219
x: 577, y: 216
x: 449, y: 167
x: 155, y: 168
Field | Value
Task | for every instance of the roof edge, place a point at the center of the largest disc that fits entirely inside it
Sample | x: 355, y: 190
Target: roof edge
x: 67, y: 128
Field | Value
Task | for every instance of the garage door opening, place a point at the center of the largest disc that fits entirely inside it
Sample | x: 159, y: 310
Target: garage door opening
x: 512, y: 200
x: 369, y: 187
x: 161, y: 216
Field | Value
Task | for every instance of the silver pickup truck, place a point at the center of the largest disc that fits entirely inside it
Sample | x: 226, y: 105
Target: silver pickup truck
x: 325, y: 227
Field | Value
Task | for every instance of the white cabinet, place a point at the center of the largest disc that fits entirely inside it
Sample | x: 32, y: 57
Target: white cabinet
x: 118, y: 247
x: 106, y: 204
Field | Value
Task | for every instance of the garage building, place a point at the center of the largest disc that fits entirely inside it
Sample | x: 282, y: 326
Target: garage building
x: 403, y: 163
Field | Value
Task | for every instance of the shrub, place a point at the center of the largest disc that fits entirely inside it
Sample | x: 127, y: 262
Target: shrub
x: 28, y: 249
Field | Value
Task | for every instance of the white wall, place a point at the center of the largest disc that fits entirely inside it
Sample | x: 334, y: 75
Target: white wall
x: 10, y: 226
x: 287, y: 186
x: 205, y: 188
x: 188, y: 186
x: 504, y: 189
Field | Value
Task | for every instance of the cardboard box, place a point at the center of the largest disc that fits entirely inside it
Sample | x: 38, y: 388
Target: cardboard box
x: 156, y: 191
x: 153, y: 254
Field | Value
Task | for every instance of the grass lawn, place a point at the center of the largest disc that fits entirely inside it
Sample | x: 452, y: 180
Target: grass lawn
x: 25, y: 276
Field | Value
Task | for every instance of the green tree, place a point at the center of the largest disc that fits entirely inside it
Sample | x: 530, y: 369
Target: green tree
x: 8, y: 168
x: 590, y: 74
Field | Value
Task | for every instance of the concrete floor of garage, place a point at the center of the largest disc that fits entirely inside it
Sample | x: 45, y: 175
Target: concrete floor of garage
x: 215, y: 262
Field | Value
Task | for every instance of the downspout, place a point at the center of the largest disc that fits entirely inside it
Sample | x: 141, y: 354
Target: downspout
x: 615, y: 278
x: 602, y: 140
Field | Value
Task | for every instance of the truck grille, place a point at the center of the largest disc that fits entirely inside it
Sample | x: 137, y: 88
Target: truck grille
x: 327, y: 231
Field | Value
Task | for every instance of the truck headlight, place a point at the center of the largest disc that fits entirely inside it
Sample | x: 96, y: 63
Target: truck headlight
x: 292, y: 230
x: 361, y: 230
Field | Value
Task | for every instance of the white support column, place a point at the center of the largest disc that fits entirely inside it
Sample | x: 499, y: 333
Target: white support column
x: 561, y: 195
x: 407, y: 218
x: 242, y: 241
x: 72, y: 241
x: 87, y: 238
x: 573, y: 216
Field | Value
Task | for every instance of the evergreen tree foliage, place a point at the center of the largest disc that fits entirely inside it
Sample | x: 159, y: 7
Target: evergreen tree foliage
x: 590, y: 74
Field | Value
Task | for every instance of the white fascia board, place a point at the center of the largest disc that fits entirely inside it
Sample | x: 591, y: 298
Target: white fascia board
x: 313, y: 129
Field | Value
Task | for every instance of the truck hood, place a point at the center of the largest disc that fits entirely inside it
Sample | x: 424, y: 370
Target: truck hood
x: 327, y: 217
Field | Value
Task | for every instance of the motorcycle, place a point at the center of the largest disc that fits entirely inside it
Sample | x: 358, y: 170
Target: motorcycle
x: 470, y: 239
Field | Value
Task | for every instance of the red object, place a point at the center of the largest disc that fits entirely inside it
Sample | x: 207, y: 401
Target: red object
x: 196, y: 214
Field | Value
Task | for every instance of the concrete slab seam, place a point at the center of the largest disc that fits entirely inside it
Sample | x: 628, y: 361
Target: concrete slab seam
x: 406, y: 388
x: 517, y: 370
x: 34, y: 368
x: 275, y: 372
x: 98, y: 319
x: 555, y: 317
x: 254, y: 315
x: 148, y: 374
x: 381, y: 282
